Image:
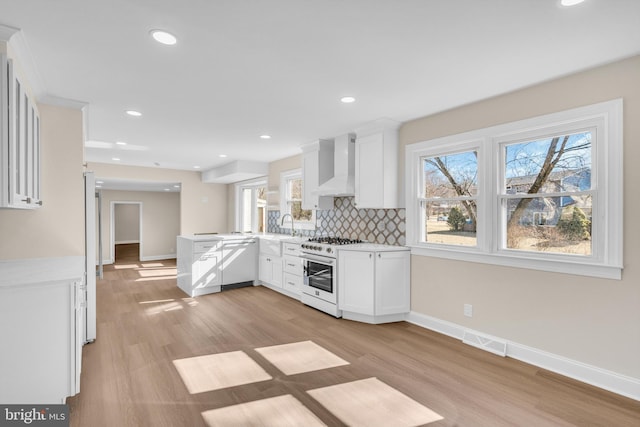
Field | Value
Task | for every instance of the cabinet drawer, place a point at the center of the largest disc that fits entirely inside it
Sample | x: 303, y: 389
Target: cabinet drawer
x: 292, y: 283
x: 293, y: 265
x: 205, y: 246
x: 292, y: 249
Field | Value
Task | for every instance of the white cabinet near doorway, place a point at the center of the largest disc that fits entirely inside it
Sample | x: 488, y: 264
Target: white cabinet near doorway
x: 199, y: 265
x: 374, y: 283
x: 19, y: 142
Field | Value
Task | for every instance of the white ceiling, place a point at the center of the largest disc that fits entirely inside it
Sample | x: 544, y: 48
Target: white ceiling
x: 244, y: 68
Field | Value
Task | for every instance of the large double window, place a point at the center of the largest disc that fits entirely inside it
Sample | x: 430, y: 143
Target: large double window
x: 542, y: 193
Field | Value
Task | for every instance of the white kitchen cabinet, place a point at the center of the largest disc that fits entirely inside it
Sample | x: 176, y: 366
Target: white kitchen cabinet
x: 270, y: 270
x: 376, y: 171
x: 374, y: 283
x: 270, y: 262
x: 292, y: 278
x: 317, y: 168
x: 19, y: 142
x: 199, y: 266
x: 41, y: 326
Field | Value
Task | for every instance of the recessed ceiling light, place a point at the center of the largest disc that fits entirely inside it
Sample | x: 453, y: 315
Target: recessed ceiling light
x: 167, y: 189
x: 121, y: 143
x: 117, y: 159
x: 265, y: 136
x: 222, y: 155
x: 163, y: 37
x: 196, y: 167
x: 99, y: 182
x: 98, y: 186
x: 347, y: 99
x: 176, y: 186
x: 570, y: 2
x: 134, y: 113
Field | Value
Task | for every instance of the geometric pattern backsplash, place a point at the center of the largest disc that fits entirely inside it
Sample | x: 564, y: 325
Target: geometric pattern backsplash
x: 384, y: 226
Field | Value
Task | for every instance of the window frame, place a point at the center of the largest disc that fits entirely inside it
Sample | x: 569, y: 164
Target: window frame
x: 606, y: 259
x: 285, y: 207
x: 252, y: 185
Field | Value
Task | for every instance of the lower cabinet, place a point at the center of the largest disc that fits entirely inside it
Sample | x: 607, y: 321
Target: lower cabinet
x: 374, y: 285
x: 292, y: 279
x: 270, y: 270
x: 199, y: 266
x: 42, y: 332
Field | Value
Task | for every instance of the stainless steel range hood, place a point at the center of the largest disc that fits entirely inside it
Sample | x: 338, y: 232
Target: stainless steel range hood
x: 344, y: 163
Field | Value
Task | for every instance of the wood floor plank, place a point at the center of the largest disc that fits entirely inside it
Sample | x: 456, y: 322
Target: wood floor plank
x: 145, y: 323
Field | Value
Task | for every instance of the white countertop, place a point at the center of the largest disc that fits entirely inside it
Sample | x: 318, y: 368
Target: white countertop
x: 375, y: 247
x: 236, y: 236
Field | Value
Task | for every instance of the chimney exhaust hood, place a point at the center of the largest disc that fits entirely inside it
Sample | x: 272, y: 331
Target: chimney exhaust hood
x: 344, y: 164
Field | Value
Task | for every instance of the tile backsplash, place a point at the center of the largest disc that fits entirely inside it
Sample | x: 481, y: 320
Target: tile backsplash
x: 385, y: 226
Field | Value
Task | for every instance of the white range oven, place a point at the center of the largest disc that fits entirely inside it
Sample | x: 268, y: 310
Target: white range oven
x: 319, y: 261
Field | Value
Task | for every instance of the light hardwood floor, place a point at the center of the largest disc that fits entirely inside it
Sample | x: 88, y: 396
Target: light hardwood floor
x: 146, y: 324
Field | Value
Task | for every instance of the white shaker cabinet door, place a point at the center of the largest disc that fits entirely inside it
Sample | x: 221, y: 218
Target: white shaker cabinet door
x: 356, y: 282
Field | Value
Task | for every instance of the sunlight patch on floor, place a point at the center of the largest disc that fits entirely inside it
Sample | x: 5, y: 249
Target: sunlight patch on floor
x: 158, y: 273
x: 372, y: 403
x: 296, y: 358
x: 218, y: 371
x: 280, y: 411
x: 158, y: 301
x: 125, y: 266
x: 170, y: 306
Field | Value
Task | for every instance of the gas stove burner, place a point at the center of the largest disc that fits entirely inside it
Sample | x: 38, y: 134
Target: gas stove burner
x: 334, y: 240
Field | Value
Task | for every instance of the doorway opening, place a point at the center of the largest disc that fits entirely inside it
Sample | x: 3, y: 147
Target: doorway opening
x: 126, y: 231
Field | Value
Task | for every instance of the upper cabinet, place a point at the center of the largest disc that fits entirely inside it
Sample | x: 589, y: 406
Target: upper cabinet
x: 19, y: 142
x: 317, y: 168
x: 376, y: 171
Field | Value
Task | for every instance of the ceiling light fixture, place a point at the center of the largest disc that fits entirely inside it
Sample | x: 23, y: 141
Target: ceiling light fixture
x: 134, y: 113
x: 265, y: 136
x: 347, y: 99
x: 196, y: 167
x: 570, y: 2
x: 163, y: 37
x: 121, y: 143
x: 116, y: 159
x: 222, y: 155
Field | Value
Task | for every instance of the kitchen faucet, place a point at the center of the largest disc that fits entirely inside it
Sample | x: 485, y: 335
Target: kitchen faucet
x: 293, y: 230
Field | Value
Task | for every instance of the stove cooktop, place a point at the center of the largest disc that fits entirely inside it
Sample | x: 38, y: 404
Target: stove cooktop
x: 334, y: 240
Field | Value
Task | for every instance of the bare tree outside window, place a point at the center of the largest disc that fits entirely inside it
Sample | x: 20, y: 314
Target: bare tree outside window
x: 548, y: 186
x: 450, y: 192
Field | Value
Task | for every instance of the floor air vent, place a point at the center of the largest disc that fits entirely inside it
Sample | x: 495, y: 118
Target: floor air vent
x: 485, y: 342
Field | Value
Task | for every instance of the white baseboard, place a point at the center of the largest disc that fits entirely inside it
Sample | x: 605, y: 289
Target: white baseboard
x: 589, y: 374
x: 157, y: 257
x: 126, y: 242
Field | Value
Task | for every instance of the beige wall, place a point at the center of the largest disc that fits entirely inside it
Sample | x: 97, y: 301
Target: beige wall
x: 160, y: 221
x: 57, y: 228
x: 594, y: 321
x: 126, y: 222
x: 203, y: 207
x: 279, y: 166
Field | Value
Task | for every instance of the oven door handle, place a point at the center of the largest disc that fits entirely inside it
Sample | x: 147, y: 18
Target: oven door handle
x: 319, y: 259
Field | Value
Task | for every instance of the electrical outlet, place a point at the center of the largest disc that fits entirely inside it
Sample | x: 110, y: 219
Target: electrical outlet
x: 468, y: 310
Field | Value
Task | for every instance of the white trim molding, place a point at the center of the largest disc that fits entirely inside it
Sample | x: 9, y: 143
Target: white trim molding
x: 589, y: 374
x: 603, y: 120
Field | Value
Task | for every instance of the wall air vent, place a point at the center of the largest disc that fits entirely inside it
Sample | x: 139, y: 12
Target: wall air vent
x: 485, y: 342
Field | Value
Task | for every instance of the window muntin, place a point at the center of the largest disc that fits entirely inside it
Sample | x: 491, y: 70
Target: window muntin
x: 595, y: 158
x: 448, y: 205
x: 559, y: 169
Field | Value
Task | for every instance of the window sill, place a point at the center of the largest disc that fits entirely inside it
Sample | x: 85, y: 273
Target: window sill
x: 589, y: 269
